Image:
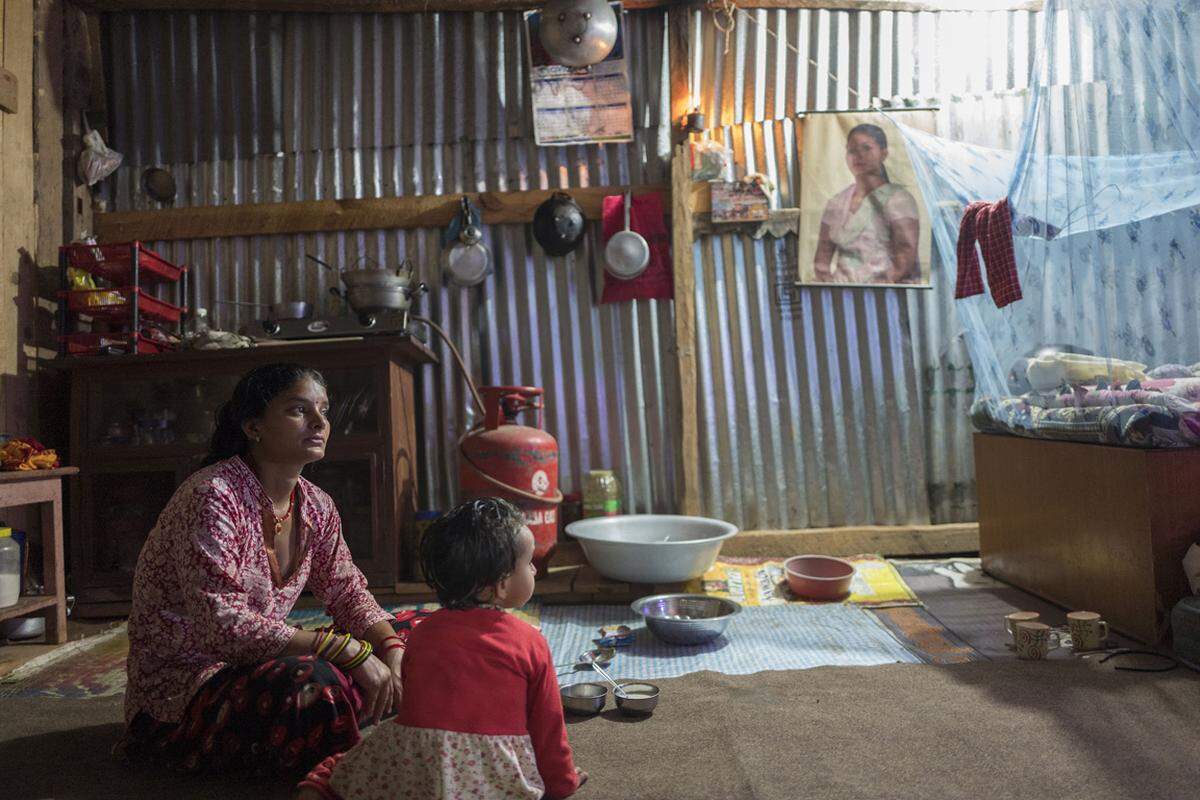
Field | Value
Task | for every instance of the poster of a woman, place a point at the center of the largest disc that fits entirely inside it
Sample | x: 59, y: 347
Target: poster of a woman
x: 861, y: 221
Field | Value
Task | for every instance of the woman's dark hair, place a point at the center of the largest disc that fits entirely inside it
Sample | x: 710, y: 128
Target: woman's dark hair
x: 471, y: 548
x: 253, y: 393
x: 876, y: 133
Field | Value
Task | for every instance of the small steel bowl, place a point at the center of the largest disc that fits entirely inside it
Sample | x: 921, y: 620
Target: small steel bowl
x: 641, y: 698
x: 686, y: 618
x: 584, y: 698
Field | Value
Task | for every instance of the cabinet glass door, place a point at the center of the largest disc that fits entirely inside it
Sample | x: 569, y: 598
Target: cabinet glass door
x: 352, y: 482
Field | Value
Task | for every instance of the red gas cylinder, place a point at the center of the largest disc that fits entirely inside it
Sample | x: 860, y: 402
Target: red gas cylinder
x: 516, y: 462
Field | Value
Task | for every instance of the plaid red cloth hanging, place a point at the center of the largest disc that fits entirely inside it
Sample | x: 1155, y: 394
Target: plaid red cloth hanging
x: 989, y: 224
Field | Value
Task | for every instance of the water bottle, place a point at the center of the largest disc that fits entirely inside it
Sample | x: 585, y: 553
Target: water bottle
x: 10, y: 569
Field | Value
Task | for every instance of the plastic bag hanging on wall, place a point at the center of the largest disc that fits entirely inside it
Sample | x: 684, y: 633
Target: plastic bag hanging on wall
x: 97, y: 161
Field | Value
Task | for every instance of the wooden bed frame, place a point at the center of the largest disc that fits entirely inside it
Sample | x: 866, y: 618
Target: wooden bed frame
x: 1090, y: 527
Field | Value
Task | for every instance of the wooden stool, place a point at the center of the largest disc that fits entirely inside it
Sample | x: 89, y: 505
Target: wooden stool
x: 42, y: 487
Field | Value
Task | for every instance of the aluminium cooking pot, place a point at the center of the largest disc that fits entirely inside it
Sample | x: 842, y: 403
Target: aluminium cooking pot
x: 374, y: 290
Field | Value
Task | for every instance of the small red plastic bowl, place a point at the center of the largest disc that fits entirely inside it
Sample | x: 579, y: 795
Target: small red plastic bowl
x: 819, y: 577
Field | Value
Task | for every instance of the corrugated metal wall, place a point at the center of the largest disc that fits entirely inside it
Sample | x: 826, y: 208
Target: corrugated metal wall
x: 249, y: 108
x: 838, y: 406
x: 820, y: 408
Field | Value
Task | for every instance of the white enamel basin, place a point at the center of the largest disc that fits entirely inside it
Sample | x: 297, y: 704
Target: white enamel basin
x: 651, y: 548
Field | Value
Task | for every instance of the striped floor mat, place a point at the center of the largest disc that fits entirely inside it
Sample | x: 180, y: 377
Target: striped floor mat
x: 760, y: 638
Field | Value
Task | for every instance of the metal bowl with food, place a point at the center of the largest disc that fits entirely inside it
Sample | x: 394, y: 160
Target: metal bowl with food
x: 638, y: 699
x: 686, y: 618
x: 584, y: 698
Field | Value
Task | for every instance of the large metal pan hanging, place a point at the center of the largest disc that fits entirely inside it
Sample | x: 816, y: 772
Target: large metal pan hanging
x: 627, y: 253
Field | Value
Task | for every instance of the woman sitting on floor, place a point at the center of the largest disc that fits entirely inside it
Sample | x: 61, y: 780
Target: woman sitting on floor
x: 217, y: 678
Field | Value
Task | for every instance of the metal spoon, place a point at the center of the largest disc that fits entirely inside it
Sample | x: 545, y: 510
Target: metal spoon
x: 617, y: 690
x: 602, y: 654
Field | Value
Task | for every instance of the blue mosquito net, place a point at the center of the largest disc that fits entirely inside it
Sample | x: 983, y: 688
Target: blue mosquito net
x: 1103, y: 192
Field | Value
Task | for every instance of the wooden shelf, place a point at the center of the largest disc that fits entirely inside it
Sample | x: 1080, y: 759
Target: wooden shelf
x: 12, y: 476
x: 27, y: 605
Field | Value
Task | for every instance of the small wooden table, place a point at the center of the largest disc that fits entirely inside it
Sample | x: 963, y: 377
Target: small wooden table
x: 42, y: 487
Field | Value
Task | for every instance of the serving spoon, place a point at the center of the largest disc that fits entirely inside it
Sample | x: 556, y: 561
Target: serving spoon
x: 617, y: 689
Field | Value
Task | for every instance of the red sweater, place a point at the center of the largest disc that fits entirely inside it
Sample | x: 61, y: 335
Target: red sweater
x: 480, y: 672
x: 485, y: 671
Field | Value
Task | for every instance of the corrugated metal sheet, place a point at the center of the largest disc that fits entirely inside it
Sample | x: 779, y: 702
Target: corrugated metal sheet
x: 823, y: 408
x: 249, y: 108
x: 846, y: 406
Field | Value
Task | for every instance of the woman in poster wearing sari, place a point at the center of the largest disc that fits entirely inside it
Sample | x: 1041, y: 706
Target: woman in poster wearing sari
x: 872, y: 225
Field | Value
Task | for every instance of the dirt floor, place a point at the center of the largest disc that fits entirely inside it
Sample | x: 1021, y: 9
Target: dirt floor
x: 997, y: 727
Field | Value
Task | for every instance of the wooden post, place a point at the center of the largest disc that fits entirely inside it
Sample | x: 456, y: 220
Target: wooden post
x: 680, y: 69
x: 688, y: 448
x: 688, y: 454
x: 48, y: 130
x: 53, y: 565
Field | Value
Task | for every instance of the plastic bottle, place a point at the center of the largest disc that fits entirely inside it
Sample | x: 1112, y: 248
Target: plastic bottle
x: 601, y: 494
x: 10, y: 569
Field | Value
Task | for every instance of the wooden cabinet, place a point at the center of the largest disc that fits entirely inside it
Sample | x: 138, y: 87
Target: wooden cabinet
x: 141, y: 425
x: 1090, y: 527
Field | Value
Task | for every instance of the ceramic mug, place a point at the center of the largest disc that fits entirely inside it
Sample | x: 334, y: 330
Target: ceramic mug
x: 1010, y: 620
x: 1088, y: 631
x: 1034, y: 640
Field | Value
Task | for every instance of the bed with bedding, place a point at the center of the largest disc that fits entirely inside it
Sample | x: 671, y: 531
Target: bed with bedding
x: 1156, y: 408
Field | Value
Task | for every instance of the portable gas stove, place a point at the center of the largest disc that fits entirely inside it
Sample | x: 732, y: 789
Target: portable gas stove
x: 389, y: 322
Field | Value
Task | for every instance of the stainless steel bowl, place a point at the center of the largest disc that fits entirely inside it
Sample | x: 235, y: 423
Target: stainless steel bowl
x: 640, y: 699
x: 23, y: 628
x: 686, y: 618
x: 584, y: 698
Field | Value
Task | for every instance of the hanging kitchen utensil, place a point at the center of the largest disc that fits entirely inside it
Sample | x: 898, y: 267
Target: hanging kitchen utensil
x: 578, y: 33
x: 627, y: 253
x: 466, y: 258
x: 558, y: 224
x: 159, y: 184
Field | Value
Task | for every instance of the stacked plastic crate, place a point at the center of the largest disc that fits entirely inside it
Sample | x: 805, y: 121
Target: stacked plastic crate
x: 125, y: 317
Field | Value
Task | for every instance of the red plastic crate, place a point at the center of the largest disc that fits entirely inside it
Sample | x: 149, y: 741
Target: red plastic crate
x: 112, y: 262
x: 91, y: 344
x: 118, y: 310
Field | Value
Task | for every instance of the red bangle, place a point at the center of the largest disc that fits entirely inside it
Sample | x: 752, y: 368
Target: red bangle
x: 398, y: 645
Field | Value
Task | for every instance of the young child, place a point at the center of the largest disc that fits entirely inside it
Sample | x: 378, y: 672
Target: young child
x: 480, y: 714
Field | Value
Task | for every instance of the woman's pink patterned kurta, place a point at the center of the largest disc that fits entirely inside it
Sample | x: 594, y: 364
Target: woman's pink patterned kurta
x: 203, y: 594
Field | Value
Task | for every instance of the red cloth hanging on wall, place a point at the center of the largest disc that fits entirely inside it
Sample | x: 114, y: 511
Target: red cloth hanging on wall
x: 646, y: 218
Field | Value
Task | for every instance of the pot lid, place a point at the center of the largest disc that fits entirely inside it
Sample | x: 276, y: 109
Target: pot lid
x: 578, y: 33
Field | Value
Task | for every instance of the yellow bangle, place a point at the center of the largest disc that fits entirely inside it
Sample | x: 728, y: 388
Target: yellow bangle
x: 364, y: 652
x: 345, y: 641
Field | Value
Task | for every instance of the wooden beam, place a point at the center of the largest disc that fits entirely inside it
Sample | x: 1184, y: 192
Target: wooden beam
x: 9, y: 91
x: 418, y: 211
x: 688, y: 447
x: 431, y: 6
x: 49, y: 102
x: 341, y: 6
x: 902, y: 540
